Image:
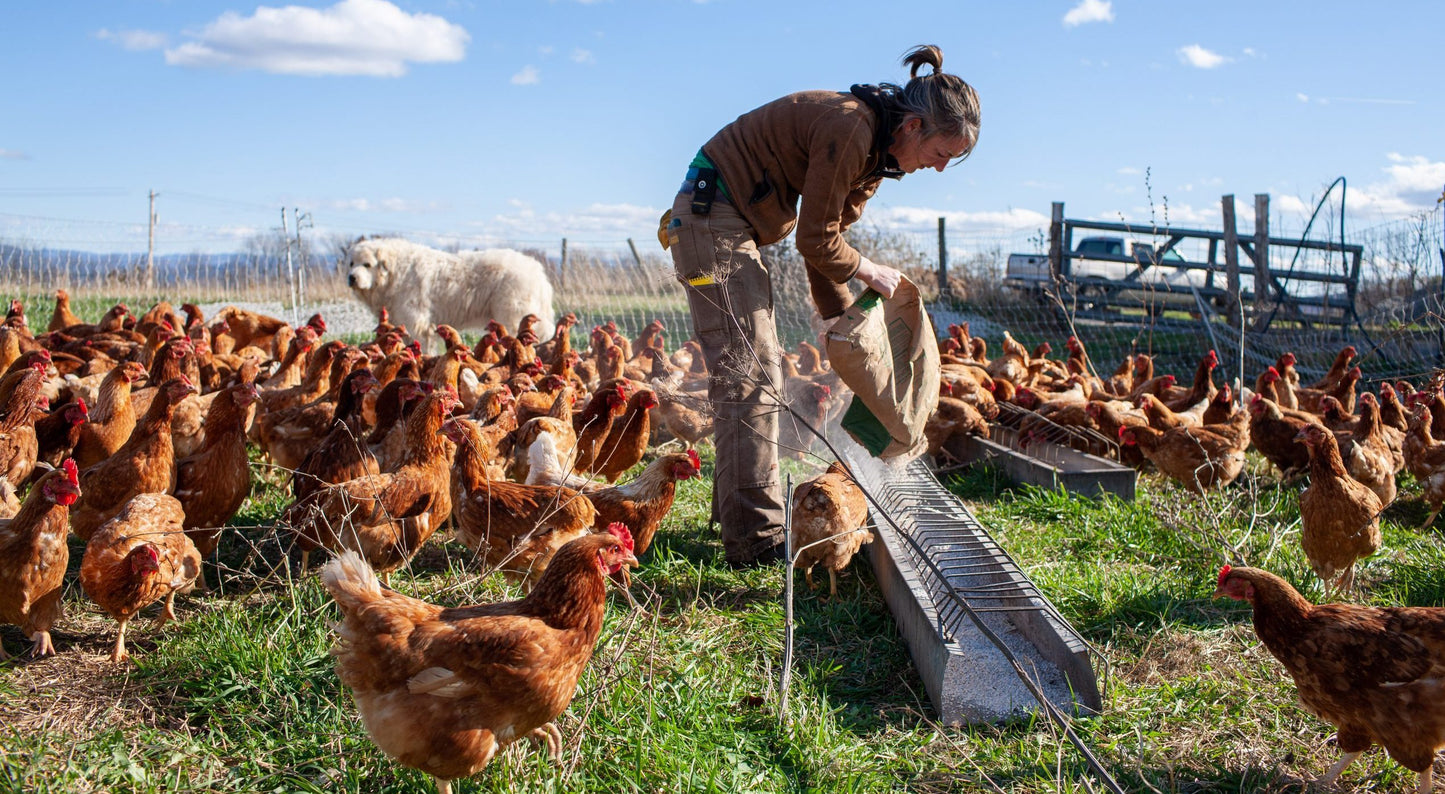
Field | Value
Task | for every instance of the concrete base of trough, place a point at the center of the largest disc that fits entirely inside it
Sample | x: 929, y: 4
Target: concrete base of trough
x: 1047, y: 465
x: 967, y: 677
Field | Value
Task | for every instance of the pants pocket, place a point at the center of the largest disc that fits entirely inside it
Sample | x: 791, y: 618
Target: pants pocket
x: 709, y: 312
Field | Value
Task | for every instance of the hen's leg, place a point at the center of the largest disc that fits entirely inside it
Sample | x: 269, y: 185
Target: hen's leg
x: 3, y: 655
x: 168, y: 612
x: 42, y: 647
x: 306, y: 560
x: 443, y: 786
x: 118, y: 654
x: 1431, y: 519
x: 1328, y: 778
x: 552, y: 737
x: 1427, y: 781
x: 808, y: 575
x: 832, y: 583
x: 1340, y: 588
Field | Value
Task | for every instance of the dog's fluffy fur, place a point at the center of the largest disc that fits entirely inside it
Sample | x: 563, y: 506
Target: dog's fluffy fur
x: 422, y: 286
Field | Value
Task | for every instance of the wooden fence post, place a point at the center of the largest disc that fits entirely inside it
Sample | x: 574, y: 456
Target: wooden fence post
x: 1262, y: 301
x: 635, y: 256
x: 1056, y: 242
x: 1231, y: 277
x: 943, y: 289
x: 1231, y: 261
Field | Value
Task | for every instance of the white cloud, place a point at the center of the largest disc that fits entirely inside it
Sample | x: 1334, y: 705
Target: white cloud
x: 923, y: 219
x: 133, y: 39
x: 1129, y: 170
x: 353, y: 37
x: 383, y: 205
x: 1302, y: 97
x: 546, y: 49
x: 583, y: 56
x: 1289, y: 205
x: 613, y: 222
x: 528, y: 76
x: 1200, y: 58
x: 1166, y: 214
x: 12, y: 154
x: 1410, y: 186
x: 1089, y: 11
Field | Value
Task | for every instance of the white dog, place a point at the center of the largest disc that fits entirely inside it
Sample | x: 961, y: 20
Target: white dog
x: 422, y: 286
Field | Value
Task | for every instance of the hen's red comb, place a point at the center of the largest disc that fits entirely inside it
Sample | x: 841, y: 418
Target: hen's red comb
x: 692, y: 456
x: 1224, y: 573
x: 620, y: 531
x: 72, y: 472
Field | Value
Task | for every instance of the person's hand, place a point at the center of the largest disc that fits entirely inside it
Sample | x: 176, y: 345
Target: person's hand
x: 882, y: 278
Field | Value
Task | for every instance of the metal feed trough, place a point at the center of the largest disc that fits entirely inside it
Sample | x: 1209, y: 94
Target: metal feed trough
x: 940, y: 572
x: 1032, y: 450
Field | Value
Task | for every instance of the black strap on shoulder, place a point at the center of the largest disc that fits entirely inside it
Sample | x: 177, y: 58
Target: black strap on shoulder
x: 881, y: 100
x: 704, y: 191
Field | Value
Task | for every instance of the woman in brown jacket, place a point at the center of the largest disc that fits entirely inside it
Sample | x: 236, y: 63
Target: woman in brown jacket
x: 828, y: 151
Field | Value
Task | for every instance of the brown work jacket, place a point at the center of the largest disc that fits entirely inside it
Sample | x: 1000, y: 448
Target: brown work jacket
x: 813, y: 145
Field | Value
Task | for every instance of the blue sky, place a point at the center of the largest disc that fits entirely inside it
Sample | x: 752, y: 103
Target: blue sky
x: 527, y: 121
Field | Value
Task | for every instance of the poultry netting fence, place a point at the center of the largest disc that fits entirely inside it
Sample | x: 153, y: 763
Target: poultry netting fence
x: 1395, y: 319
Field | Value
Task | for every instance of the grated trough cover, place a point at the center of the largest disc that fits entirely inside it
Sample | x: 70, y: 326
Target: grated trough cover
x: 940, y: 571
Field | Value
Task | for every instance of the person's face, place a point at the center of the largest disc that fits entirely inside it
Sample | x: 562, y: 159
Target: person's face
x: 914, y: 151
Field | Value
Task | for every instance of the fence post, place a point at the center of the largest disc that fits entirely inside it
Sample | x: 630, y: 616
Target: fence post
x: 943, y: 288
x: 290, y: 271
x: 1231, y: 276
x: 562, y: 266
x: 1056, y: 242
x: 1262, y: 301
x: 1231, y: 259
x: 635, y: 256
x: 151, y: 246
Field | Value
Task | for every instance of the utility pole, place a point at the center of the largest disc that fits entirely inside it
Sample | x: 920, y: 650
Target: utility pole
x: 151, y: 247
x: 301, y: 217
x: 290, y: 271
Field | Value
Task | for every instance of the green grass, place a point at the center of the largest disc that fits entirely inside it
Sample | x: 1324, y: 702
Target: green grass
x: 682, y: 695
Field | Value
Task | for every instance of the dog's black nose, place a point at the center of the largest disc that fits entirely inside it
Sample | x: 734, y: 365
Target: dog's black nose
x: 351, y: 281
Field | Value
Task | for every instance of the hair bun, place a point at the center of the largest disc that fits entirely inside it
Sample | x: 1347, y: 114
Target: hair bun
x: 924, y: 54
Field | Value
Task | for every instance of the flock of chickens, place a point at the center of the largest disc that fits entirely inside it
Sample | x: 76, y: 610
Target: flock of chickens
x: 518, y: 447
x: 136, y: 435
x: 1378, y: 674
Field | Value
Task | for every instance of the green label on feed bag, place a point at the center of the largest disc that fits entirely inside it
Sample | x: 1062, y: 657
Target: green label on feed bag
x: 865, y: 428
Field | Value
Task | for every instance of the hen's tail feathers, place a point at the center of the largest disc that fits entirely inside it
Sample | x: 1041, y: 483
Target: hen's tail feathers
x: 351, y: 581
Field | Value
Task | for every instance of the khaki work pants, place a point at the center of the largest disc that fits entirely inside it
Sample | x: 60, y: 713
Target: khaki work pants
x: 731, y: 298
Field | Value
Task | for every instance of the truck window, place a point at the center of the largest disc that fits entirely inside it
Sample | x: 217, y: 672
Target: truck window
x: 1100, y: 247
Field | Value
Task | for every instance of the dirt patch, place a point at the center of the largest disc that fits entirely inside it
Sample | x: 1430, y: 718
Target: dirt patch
x: 80, y: 692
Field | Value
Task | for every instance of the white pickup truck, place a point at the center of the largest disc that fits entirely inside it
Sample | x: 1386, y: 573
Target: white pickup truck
x: 1131, y: 269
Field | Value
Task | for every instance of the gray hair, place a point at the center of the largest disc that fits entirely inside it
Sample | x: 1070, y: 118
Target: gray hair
x: 946, y: 104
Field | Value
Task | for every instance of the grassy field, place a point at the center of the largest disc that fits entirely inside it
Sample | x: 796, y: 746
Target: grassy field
x: 681, y: 694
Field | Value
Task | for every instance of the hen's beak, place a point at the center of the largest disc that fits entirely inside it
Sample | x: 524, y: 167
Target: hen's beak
x: 622, y: 577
